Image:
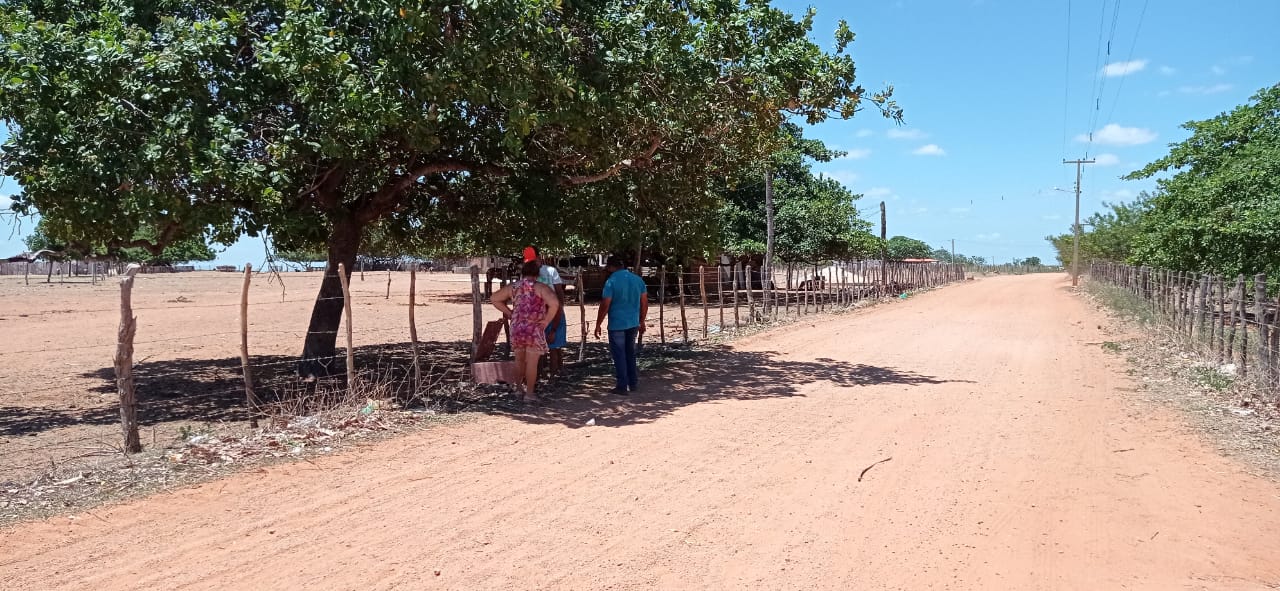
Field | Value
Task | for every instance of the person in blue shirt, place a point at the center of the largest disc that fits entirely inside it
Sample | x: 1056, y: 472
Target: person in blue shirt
x: 626, y: 302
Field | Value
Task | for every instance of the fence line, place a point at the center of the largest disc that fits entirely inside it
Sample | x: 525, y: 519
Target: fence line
x: 1233, y: 322
x: 240, y: 383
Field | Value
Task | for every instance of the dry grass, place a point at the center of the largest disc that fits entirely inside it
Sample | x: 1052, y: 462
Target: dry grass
x: 1227, y: 412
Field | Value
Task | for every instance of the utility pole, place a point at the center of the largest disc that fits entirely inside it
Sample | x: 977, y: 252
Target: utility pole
x: 953, y: 250
x: 1075, y: 245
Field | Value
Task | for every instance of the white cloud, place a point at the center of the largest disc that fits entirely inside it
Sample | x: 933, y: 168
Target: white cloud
x: 1106, y: 160
x: 875, y: 192
x: 1168, y: 70
x: 991, y: 236
x: 855, y: 154
x: 959, y: 210
x: 1124, y: 68
x: 1118, y: 135
x: 1211, y: 89
x: 920, y: 210
x: 1051, y: 217
x: 905, y: 134
x: 1219, y: 70
x: 864, y: 133
x: 1164, y: 93
x: 929, y: 150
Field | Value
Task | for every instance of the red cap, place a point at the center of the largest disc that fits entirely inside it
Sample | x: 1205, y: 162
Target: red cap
x: 530, y: 254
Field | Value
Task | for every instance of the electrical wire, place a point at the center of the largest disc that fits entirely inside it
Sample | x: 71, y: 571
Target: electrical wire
x: 1132, y: 46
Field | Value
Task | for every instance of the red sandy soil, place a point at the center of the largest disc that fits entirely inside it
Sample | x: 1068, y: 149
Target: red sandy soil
x: 1019, y: 460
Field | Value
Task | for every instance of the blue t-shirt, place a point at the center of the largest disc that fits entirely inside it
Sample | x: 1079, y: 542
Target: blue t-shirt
x: 624, y: 289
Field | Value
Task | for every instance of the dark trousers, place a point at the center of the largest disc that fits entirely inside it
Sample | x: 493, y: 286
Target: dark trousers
x: 622, y: 346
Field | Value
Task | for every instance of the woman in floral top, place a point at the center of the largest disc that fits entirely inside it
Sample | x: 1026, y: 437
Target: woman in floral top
x: 530, y: 306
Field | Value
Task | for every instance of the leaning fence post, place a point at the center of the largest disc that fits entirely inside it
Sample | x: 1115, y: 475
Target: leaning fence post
x: 388, y: 283
x: 346, y: 311
x: 124, y: 364
x: 751, y: 300
x: 250, y: 399
x: 413, y: 326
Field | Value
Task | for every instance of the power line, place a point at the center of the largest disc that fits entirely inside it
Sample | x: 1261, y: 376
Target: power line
x: 1132, y: 45
x: 1095, y: 90
x: 1066, y: 89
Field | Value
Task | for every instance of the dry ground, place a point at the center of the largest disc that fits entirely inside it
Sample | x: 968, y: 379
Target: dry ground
x: 1018, y: 460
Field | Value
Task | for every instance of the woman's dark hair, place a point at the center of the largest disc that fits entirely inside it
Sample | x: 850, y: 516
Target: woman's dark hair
x: 530, y: 269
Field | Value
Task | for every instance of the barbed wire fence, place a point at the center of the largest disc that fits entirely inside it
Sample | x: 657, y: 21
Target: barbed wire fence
x: 158, y: 381
x: 1231, y: 322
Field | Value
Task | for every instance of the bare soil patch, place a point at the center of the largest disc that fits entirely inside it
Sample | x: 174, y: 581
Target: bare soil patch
x: 1020, y: 459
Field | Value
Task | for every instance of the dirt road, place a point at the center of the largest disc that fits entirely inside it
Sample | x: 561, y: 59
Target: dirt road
x: 1019, y: 461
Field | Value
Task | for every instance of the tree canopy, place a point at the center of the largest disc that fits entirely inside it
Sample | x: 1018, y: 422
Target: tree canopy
x: 315, y: 121
x: 1108, y: 235
x: 179, y: 251
x: 901, y: 247
x: 1220, y: 210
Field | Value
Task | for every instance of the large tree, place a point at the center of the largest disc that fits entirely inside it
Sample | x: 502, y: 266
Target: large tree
x: 1220, y: 209
x: 317, y: 120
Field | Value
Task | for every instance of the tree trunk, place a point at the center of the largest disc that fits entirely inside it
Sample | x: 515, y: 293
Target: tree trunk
x: 320, y: 352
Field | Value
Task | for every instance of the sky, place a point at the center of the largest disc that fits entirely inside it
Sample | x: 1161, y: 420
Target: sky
x: 997, y: 93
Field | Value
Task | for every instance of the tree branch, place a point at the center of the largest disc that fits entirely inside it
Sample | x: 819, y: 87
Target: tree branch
x: 655, y: 143
x: 372, y: 206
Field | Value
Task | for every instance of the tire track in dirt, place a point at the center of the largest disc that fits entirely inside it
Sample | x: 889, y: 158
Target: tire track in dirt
x: 741, y: 472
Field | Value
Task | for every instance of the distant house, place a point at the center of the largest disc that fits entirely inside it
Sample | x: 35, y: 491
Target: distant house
x: 920, y: 261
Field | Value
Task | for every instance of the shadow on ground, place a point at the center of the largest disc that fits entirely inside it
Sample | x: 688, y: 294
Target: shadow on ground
x: 674, y: 377
x: 212, y: 390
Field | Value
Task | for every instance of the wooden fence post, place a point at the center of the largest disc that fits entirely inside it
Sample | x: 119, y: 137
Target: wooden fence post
x: 1236, y: 293
x: 250, y: 399
x: 346, y: 312
x: 1219, y: 344
x: 720, y: 295
x: 737, y: 324
x: 1259, y: 316
x: 413, y: 326
x: 124, y: 364
x: 582, y: 317
x: 388, y: 283
x: 477, y: 315
x: 684, y: 322
x: 662, y: 304
x: 702, y: 292
x: 751, y: 300
x: 1243, y: 304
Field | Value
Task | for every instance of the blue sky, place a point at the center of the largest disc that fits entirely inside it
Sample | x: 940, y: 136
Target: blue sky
x: 993, y: 105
